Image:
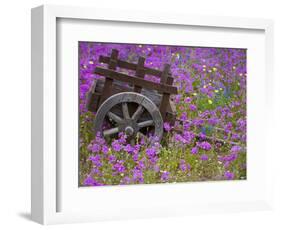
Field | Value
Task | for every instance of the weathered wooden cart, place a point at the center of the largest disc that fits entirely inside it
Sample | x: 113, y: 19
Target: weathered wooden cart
x: 131, y: 104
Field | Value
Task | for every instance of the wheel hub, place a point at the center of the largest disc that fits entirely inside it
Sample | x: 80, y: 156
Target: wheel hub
x: 129, y: 130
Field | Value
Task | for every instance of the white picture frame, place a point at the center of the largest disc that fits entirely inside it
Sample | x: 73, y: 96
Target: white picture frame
x: 45, y: 206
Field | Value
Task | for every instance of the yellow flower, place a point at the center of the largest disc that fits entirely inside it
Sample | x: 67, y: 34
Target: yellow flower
x: 204, y: 86
x: 194, y: 94
x: 216, y: 91
x: 204, y: 70
x: 214, y: 68
x: 210, y: 101
x: 220, y: 88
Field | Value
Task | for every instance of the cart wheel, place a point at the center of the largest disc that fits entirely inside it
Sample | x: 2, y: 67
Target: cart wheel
x: 130, y: 113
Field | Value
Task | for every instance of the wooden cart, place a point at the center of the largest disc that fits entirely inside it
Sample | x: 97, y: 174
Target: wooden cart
x: 131, y: 104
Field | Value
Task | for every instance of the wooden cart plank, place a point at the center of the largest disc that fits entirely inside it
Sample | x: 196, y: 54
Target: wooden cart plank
x: 140, y: 73
x: 166, y: 96
x: 112, y: 64
x: 93, y: 101
x: 110, y: 74
x: 132, y: 66
x: 165, y: 73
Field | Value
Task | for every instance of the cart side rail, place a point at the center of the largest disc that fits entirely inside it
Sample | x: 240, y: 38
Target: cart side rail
x: 160, y: 87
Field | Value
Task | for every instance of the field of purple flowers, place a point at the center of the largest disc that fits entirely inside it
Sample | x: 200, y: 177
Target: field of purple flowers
x: 211, y: 114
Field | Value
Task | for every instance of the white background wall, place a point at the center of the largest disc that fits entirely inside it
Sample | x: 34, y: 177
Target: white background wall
x: 15, y: 113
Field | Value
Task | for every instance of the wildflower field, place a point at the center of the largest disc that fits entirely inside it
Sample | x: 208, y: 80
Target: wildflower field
x: 206, y: 143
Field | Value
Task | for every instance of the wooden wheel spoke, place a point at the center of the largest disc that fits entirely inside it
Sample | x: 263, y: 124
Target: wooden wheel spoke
x: 138, y: 113
x: 145, y: 123
x: 112, y: 131
x: 125, y: 111
x: 114, y: 117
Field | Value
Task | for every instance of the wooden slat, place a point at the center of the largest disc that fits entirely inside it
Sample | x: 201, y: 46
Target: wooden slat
x: 112, y: 64
x: 162, y: 88
x: 93, y: 102
x: 140, y: 73
x: 106, y: 90
x: 163, y: 105
x: 132, y: 66
x: 118, y: 88
x: 165, y: 73
x: 166, y: 96
x: 170, y: 81
x: 113, y: 59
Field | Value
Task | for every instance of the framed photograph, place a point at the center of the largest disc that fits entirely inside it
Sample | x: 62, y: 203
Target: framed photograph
x: 139, y: 115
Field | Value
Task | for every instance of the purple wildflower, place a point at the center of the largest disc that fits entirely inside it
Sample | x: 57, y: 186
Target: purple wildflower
x: 213, y: 121
x: 96, y: 160
x: 126, y: 180
x: 136, y: 148
x: 177, y: 98
x: 128, y: 148
x: 183, y: 166
x: 122, y: 138
x: 138, y: 175
x: 188, y: 166
x: 229, y: 175
x: 156, y: 168
x: 104, y: 149
x: 235, y: 149
x: 198, y: 122
x: 187, y: 100
x: 99, y: 140
x: 112, y: 159
x: 192, y: 107
x: 150, y: 152
x: 205, y: 145
x: 116, y: 146
x: 119, y: 167
x: 235, y: 136
x: 167, y: 127
x: 194, y: 150
x: 183, y: 116
x: 204, y: 157
x: 95, y: 171
x: 228, y: 127
x: 165, y: 176
x: 188, y: 137
x: 141, y: 164
x: 95, y: 148
x: 136, y: 157
x: 89, y: 181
